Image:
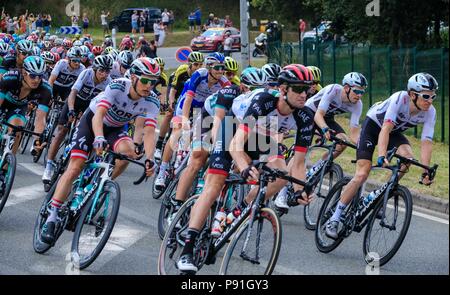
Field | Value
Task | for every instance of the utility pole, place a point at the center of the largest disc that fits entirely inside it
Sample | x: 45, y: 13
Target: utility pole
x: 245, y: 44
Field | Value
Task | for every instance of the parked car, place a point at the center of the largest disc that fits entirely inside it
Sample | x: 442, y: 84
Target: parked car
x: 123, y: 21
x: 212, y: 40
x: 322, y: 32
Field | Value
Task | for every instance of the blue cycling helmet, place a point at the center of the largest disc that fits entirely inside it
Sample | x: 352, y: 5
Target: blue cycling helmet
x: 214, y: 58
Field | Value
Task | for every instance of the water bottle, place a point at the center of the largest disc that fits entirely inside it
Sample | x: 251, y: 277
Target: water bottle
x: 77, y: 199
x: 178, y: 159
x: 368, y: 199
x: 232, y: 216
x: 314, y: 168
x: 200, y: 185
x: 216, y: 230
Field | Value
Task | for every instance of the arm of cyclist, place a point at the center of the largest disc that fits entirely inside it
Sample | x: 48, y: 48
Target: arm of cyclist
x: 149, y: 147
x: 71, y: 104
x: 239, y: 156
x: 219, y: 115
x: 172, y: 94
x: 354, y: 134
x: 298, y: 171
x: 97, y: 127
x: 383, y: 141
x: 320, y: 122
x: 186, y: 110
x: 426, y: 149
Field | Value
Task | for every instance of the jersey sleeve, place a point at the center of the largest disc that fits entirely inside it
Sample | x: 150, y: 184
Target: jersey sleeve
x: 58, y: 67
x: 226, y: 96
x: 305, y: 128
x: 80, y: 81
x: 428, y: 126
x: 327, y: 98
x: 356, y: 115
x: 9, y: 81
x: 260, y: 105
x: 151, y: 115
x: 394, y: 108
x: 45, y: 96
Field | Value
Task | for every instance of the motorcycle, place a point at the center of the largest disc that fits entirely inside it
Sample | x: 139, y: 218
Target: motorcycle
x: 260, y: 45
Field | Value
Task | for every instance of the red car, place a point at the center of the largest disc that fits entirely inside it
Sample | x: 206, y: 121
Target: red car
x: 212, y: 40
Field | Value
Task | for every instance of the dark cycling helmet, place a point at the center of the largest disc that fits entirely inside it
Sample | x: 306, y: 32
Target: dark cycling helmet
x: 125, y: 58
x: 104, y: 62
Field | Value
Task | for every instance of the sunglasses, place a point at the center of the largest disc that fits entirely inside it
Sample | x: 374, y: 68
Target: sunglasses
x: 33, y: 76
x: 358, y: 91
x: 426, y: 96
x: 145, y: 81
x: 219, y: 67
x: 75, y: 60
x: 300, y: 88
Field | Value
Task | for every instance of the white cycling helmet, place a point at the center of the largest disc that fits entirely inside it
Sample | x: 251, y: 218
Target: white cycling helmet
x: 422, y: 81
x: 355, y: 79
x: 253, y: 77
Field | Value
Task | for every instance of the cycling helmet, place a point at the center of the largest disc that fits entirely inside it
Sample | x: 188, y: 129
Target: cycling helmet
x: 108, y: 42
x: 48, y: 57
x: 316, y: 72
x: 58, y: 42
x: 103, y: 62
x: 25, y: 46
x: 47, y: 45
x: 74, y: 52
x: 422, y: 81
x: 97, y: 50
x: 253, y: 77
x: 355, y: 79
x: 33, y: 38
x: 160, y: 62
x: 145, y: 66
x: 53, y: 38
x: 4, y: 48
x: 57, y: 56
x: 108, y: 49
x: 77, y: 43
x: 272, y: 72
x: 84, y: 51
x: 231, y: 65
x: 34, y: 65
x: 214, y: 58
x: 67, y: 43
x: 114, y: 53
x: 195, y: 56
x: 126, y: 43
x: 125, y: 58
x: 295, y: 74
x: 36, y: 51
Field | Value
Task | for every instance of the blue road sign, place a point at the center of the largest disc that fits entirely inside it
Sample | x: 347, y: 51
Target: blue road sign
x: 182, y: 54
x: 69, y: 30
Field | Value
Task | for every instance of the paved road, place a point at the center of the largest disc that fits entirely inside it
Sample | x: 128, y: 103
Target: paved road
x: 168, y: 54
x: 134, y: 244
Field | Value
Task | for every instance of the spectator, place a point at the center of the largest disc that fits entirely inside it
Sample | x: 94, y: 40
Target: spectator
x: 134, y: 22
x: 216, y: 23
x: 39, y: 24
x: 85, y: 23
x: 171, y: 20
x: 31, y: 21
x: 142, y: 23
x: 156, y: 31
x: 210, y: 20
x: 227, y: 44
x: 228, y: 22
x: 191, y: 19
x: 3, y: 21
x: 301, y: 29
x: 22, y: 24
x: 198, y: 19
x: 11, y: 25
x: 148, y: 50
x: 103, y: 17
x: 46, y: 23
x: 162, y: 34
x: 165, y: 17
x: 74, y: 20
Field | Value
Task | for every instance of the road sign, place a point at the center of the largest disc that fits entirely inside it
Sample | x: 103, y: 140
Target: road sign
x: 69, y: 30
x: 182, y: 54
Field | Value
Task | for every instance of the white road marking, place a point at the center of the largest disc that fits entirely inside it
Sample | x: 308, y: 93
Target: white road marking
x: 34, y: 168
x: 24, y: 194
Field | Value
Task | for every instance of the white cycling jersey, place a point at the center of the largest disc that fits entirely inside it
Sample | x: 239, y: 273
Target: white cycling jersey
x: 121, y: 108
x: 329, y: 100
x: 86, y: 87
x: 115, y: 71
x: 396, y: 110
x: 66, y: 77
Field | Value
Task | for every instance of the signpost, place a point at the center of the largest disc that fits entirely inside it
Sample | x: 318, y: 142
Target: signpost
x: 182, y: 54
x: 69, y: 30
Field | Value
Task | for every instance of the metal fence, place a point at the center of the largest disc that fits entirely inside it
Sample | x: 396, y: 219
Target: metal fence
x: 386, y: 69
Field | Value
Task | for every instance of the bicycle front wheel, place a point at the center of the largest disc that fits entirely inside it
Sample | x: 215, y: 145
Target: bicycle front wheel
x: 8, y: 171
x: 383, y: 239
x: 95, y: 225
x: 254, y: 248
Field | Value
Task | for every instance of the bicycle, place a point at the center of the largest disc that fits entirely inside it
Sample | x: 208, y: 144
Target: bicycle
x: 248, y: 225
x: 25, y: 138
x: 385, y: 207
x: 8, y: 158
x: 90, y: 211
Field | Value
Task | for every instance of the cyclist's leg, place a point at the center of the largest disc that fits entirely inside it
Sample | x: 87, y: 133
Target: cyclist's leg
x: 17, y: 120
x: 196, y: 162
x: 340, y: 133
x: 170, y: 147
x: 122, y: 144
x: 60, y: 134
x: 164, y: 128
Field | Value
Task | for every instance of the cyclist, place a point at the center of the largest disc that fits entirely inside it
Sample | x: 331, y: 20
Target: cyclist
x: 286, y: 107
x: 272, y: 72
x: 11, y: 61
x: 122, y: 64
x: 85, y: 52
x: 202, y: 84
x: 383, y: 127
x: 216, y: 107
x: 231, y: 70
x: 65, y: 73
x: 163, y: 81
x: 88, y: 85
x: 181, y: 75
x: 21, y: 86
x: 50, y: 59
x: 102, y: 124
x: 317, y: 75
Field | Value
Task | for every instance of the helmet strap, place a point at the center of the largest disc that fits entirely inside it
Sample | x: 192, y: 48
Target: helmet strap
x: 415, y: 102
x: 348, y: 95
x: 287, y: 101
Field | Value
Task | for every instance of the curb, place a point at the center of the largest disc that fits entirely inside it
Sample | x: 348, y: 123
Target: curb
x: 419, y: 200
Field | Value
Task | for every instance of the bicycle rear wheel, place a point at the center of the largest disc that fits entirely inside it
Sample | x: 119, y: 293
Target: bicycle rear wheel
x: 7, y: 180
x: 311, y: 211
x: 38, y: 245
x: 262, y: 248
x: 381, y: 242
x: 164, y: 212
x: 95, y: 225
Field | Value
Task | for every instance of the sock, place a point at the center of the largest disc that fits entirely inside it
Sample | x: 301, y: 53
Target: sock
x: 283, y: 192
x: 190, y: 241
x: 160, y: 142
x: 49, y: 164
x: 54, y: 207
x: 337, y: 214
x: 163, y: 168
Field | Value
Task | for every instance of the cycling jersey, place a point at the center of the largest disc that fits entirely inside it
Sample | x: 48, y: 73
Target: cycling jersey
x: 396, y: 110
x: 241, y: 103
x: 198, y: 88
x: 66, y: 76
x: 163, y: 80
x: 329, y: 100
x: 222, y: 99
x: 180, y: 77
x: 121, y: 109
x: 8, y: 63
x: 10, y: 86
x: 115, y: 71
